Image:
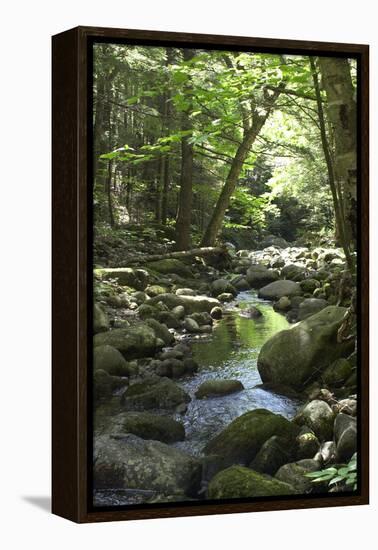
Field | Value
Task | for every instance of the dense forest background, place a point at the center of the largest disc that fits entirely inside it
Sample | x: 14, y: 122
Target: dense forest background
x: 216, y: 145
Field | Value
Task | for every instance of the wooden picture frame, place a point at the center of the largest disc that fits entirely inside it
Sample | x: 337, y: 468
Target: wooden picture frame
x: 72, y: 316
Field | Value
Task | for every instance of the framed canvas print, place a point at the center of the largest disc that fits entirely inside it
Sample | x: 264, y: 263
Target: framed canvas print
x: 210, y: 274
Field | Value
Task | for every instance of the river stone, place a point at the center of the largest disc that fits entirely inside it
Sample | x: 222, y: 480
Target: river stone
x: 225, y: 297
x: 104, y: 384
x: 155, y: 290
x: 216, y: 313
x: 275, y: 291
x: 100, y: 319
x: 294, y: 474
x: 241, y: 482
x: 345, y: 431
x: 109, y: 359
x: 273, y: 240
x: 220, y: 286
x: 283, y: 304
x: 125, y: 276
x: 310, y: 306
x: 335, y: 375
x: 129, y: 462
x: 150, y: 426
x: 241, y: 440
x: 293, y: 272
x: 145, y: 311
x: 161, y: 331
x: 213, y: 388
x: 168, y: 266
x: 258, y: 276
x: 178, y: 312
x: 240, y: 283
x: 273, y: 454
x: 295, y: 356
x: 191, y: 325
x: 154, y: 393
x: 185, y: 292
x: 309, y: 285
x: 318, y: 416
x: 135, y: 341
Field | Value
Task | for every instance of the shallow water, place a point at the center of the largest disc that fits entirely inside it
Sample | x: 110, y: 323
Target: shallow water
x: 231, y: 352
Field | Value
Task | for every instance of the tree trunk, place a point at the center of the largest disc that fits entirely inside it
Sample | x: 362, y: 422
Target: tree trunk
x: 342, y: 114
x: 109, y: 193
x: 184, y: 214
x: 242, y: 152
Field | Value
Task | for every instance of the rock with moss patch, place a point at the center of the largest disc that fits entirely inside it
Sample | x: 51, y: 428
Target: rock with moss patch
x: 258, y: 276
x: 155, y: 290
x: 161, y: 331
x: 298, y: 355
x: 241, y: 482
x: 127, y: 461
x: 337, y: 373
x: 307, y: 445
x: 104, y: 385
x: 150, y: 426
x: 138, y: 340
x: 310, y: 306
x: 109, y: 359
x: 273, y: 454
x: 278, y: 289
x: 241, y: 440
x: 154, y: 393
x: 125, y: 276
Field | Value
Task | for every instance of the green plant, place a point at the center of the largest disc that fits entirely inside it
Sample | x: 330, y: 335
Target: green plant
x: 346, y: 475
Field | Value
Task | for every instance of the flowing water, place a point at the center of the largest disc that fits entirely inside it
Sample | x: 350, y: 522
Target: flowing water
x: 231, y: 352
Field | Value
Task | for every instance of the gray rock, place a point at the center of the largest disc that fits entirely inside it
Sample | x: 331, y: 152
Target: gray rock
x: 135, y: 278
x: 100, y: 319
x: 294, y: 474
x: 345, y: 433
x: 275, y: 291
x: 337, y: 373
x: 127, y: 461
x: 154, y: 393
x: 216, y: 313
x: 109, y: 359
x: 168, y: 266
x: 273, y: 454
x: 138, y: 340
x: 150, y: 426
x: 220, y: 286
x: 191, y: 325
x: 310, y: 306
x: 225, y: 297
x: 258, y: 276
x: 161, y: 331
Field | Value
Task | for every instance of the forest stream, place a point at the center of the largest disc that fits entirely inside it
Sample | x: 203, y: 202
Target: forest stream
x: 231, y: 353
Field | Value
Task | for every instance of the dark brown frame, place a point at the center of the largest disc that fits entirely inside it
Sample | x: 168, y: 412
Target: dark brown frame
x: 71, y: 211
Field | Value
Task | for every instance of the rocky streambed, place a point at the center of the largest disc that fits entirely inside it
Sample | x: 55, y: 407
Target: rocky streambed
x: 180, y: 353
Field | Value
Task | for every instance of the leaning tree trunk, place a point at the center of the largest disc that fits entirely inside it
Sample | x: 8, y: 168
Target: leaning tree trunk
x: 242, y: 152
x: 184, y: 214
x: 342, y: 114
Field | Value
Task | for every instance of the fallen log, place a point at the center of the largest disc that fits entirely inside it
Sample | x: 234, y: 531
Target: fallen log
x: 178, y: 255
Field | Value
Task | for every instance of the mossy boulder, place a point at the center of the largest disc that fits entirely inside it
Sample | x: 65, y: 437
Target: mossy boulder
x: 310, y: 306
x: 278, y: 289
x: 220, y: 286
x: 105, y: 384
x: 337, y: 373
x: 154, y: 393
x: 258, y: 276
x: 241, y: 440
x: 127, y: 461
x: 214, y: 388
x: 307, y: 445
x: 161, y: 331
x: 138, y: 340
x: 109, y: 359
x: 293, y: 272
x: 150, y: 426
x: 241, y: 482
x: 172, y: 265
x: 191, y: 304
x: 155, y: 290
x: 125, y: 276
x: 298, y: 355
x: 100, y: 319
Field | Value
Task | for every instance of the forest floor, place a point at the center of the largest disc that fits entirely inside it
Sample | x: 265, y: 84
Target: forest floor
x: 220, y: 376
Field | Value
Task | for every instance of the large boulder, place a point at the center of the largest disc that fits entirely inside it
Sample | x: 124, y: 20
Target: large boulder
x: 293, y: 272
x: 172, y: 265
x: 337, y: 373
x: 275, y: 291
x: 129, y: 462
x: 213, y: 388
x: 161, y: 331
x: 241, y: 482
x: 222, y: 285
x: 150, y: 426
x: 241, y: 440
x: 100, y: 319
x: 318, y: 416
x: 154, y: 393
x: 294, y: 474
x: 125, y: 276
x: 138, y: 340
x: 109, y: 359
x: 258, y: 276
x: 295, y: 356
x: 310, y: 306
